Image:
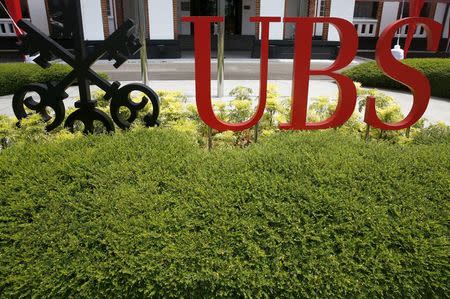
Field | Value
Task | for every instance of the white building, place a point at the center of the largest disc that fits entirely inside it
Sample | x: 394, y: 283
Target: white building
x: 169, y: 37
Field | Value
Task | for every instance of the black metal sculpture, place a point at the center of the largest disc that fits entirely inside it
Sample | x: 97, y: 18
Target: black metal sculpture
x: 118, y: 46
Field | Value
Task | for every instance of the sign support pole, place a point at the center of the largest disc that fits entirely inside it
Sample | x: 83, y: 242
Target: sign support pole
x: 220, y: 49
x: 368, y: 133
x: 142, y: 24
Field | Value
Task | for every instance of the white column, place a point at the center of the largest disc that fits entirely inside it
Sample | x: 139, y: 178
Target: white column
x: 248, y: 11
x: 38, y: 15
x: 184, y: 28
x: 92, y: 19
x: 344, y: 9
x: 389, y: 14
x: 273, y: 8
x: 161, y: 19
x: 439, y: 17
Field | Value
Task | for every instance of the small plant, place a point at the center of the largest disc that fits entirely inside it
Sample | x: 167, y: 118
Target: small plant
x: 179, y: 115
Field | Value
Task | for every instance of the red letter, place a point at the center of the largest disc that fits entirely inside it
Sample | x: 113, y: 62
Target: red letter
x: 413, y: 79
x: 15, y: 10
x: 302, y: 73
x: 202, y: 37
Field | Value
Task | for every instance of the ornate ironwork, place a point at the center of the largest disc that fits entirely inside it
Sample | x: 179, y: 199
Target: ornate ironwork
x: 118, y: 47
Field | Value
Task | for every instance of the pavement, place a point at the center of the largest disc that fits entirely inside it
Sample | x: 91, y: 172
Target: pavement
x: 183, y: 69
x: 178, y: 75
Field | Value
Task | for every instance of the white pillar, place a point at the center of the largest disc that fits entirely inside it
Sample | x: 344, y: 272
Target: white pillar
x: 248, y: 11
x: 38, y: 15
x: 92, y: 19
x: 184, y: 28
x: 389, y: 14
x: 273, y: 8
x: 439, y: 17
x: 344, y: 9
x: 161, y: 19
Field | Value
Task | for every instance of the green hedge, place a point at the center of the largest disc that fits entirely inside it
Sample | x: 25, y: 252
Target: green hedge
x: 149, y: 214
x: 436, y: 69
x: 14, y: 76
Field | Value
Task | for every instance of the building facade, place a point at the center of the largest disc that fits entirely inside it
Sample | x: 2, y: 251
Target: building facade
x: 169, y: 37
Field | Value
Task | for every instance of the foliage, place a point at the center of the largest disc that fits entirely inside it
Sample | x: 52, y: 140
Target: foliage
x: 437, y: 70
x: 180, y: 115
x: 389, y: 112
x: 434, y: 134
x: 14, y: 76
x: 147, y: 213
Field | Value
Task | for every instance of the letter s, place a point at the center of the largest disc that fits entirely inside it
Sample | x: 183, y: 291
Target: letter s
x: 408, y: 76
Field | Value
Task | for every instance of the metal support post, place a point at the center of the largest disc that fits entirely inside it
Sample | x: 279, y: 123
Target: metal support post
x: 220, y: 50
x: 367, y: 133
x: 80, y: 54
x: 142, y: 25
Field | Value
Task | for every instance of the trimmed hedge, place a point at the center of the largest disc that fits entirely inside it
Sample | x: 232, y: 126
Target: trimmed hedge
x: 149, y: 214
x: 14, y: 76
x: 437, y: 71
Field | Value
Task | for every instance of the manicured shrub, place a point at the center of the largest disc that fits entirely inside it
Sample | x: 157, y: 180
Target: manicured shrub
x: 148, y: 213
x: 14, y: 76
x: 437, y: 71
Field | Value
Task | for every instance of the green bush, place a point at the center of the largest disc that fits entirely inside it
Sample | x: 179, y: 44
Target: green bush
x: 437, y: 71
x: 179, y: 115
x: 148, y: 213
x: 14, y: 76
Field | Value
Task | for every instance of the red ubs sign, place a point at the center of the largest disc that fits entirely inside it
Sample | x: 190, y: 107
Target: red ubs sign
x: 413, y: 79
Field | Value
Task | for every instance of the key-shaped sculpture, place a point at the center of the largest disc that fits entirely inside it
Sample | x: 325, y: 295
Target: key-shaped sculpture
x: 118, y: 46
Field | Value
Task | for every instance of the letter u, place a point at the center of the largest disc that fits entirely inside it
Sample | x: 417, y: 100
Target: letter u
x: 202, y: 45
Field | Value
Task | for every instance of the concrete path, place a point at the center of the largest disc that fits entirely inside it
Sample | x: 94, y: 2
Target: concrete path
x: 183, y: 69
x: 438, y: 110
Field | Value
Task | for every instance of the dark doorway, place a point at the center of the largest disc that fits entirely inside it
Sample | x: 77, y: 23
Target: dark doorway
x: 233, y: 17
x: 203, y: 7
x: 233, y: 13
x: 61, y: 20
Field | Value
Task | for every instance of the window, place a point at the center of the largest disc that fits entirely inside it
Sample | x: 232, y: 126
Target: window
x: 321, y: 12
x: 108, y: 8
x: 366, y: 10
x: 61, y: 19
x: 425, y: 12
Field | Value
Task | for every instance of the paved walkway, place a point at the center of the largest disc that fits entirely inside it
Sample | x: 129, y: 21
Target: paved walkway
x: 184, y: 69
x: 438, y: 110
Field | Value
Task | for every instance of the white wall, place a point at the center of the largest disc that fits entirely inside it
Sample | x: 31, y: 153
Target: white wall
x: 273, y: 8
x: 389, y: 15
x: 161, y: 19
x: 248, y: 28
x: 343, y: 9
x: 38, y: 15
x: 92, y: 19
